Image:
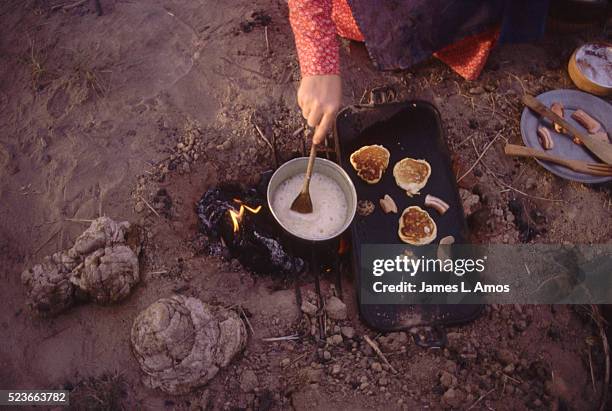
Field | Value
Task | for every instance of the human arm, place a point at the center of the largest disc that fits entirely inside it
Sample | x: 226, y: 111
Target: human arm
x: 320, y: 92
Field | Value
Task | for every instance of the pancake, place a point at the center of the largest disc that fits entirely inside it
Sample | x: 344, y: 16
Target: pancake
x: 370, y: 162
x: 411, y: 175
x: 416, y: 227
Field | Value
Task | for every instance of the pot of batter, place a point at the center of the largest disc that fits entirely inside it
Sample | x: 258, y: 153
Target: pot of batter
x: 334, y: 199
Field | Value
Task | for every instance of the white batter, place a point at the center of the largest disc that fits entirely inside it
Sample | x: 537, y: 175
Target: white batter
x: 329, y: 207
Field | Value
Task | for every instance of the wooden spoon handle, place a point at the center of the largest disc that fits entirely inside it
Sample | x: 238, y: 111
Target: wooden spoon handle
x: 311, y: 160
x: 522, y: 151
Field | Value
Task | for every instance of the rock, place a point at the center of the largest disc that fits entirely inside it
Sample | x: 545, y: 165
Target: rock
x: 285, y: 362
x: 248, y: 381
x: 348, y: 332
x: 490, y: 87
x: 448, y: 380
x: 452, y: 398
x: 336, y: 339
x: 309, y: 308
x: 327, y: 355
x: 393, y: 341
x: 476, y: 90
x: 226, y: 145
x: 336, y: 369
x: 469, y: 201
x: 506, y: 356
x: 181, y: 343
x: 335, y: 308
x: 376, y: 366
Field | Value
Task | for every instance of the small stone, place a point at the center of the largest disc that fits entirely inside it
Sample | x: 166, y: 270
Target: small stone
x: 309, y: 308
x: 285, y: 362
x: 520, y: 325
x: 336, y: 369
x: 327, y: 355
x: 336, y: 339
x: 335, y: 308
x: 476, y: 90
x: 470, y: 201
x: 186, y: 168
x: 509, y: 369
x: 506, y: 357
x: 226, y: 145
x: 248, y: 381
x: 376, y: 366
x: 348, y: 332
x: 452, y: 398
x: 448, y: 380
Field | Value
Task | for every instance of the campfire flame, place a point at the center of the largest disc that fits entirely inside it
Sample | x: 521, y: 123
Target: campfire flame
x: 237, y: 216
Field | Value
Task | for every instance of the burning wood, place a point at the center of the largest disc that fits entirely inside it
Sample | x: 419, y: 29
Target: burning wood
x: 238, y: 225
x: 237, y: 216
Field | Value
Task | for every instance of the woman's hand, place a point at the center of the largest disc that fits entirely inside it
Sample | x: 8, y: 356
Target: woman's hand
x: 319, y: 97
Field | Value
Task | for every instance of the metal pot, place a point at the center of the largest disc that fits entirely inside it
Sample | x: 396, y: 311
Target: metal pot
x: 325, y: 167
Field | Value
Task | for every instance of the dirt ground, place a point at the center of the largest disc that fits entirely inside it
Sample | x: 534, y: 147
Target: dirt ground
x: 94, y: 114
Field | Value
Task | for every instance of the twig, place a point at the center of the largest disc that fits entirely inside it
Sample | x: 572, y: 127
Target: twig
x: 479, y: 157
x: 79, y: 220
x: 158, y: 272
x: 267, y: 41
x: 591, y: 368
x: 465, y: 140
x: 285, y: 338
x: 47, y: 241
x: 73, y: 5
x: 150, y: 206
x: 512, y: 379
x: 265, y: 139
x: 606, y: 349
x: 481, y: 398
x: 247, y: 320
x: 516, y: 190
x: 379, y: 352
x: 299, y: 357
x: 298, y: 131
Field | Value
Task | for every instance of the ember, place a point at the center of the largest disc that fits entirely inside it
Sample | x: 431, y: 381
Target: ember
x: 239, y: 225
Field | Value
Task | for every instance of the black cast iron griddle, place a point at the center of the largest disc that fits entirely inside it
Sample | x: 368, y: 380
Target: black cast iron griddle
x: 406, y: 129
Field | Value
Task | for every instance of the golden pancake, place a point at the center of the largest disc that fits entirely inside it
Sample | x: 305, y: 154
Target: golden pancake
x: 411, y: 175
x: 416, y: 227
x: 370, y: 162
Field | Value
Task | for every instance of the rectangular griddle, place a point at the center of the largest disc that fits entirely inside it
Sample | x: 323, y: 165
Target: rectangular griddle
x: 406, y: 129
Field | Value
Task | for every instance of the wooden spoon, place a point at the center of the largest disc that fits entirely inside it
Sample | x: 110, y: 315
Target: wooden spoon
x: 303, y: 203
